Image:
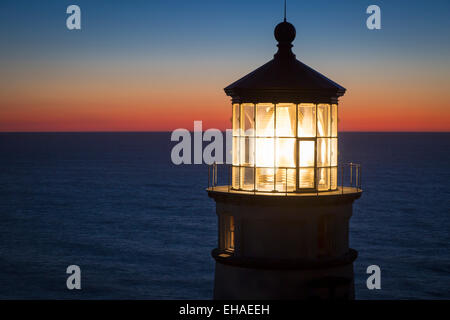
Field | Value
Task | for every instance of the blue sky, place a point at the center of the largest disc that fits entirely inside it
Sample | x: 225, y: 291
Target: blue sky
x: 209, y: 44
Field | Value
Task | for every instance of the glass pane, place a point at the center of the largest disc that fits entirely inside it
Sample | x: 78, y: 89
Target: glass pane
x: 333, y: 178
x: 323, y: 152
x: 236, y: 117
x: 285, y: 152
x: 236, y: 151
x: 323, y: 119
x: 323, y: 179
x: 285, y: 118
x: 306, y: 153
x: 247, y: 151
x: 247, y: 178
x: 306, y: 120
x: 235, y: 178
x: 265, y: 179
x: 285, y: 184
x: 334, y: 151
x: 334, y: 120
x: 306, y: 178
x: 265, y: 120
x: 265, y: 152
x: 247, y: 119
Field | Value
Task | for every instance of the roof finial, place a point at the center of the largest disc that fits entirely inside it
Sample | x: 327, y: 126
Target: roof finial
x: 284, y: 10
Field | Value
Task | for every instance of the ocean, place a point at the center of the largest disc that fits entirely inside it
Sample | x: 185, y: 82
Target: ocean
x: 140, y: 227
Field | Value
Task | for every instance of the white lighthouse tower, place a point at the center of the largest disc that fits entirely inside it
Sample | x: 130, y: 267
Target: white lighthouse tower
x: 284, y: 217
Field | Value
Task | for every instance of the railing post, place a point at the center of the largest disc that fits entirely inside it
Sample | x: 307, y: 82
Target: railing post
x: 286, y: 180
x: 342, y: 179
x: 215, y: 176
x: 229, y: 178
x: 360, y: 174
x: 351, y: 174
x: 212, y: 177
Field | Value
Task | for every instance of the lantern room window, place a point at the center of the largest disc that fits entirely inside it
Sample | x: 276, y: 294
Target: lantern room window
x: 284, y: 147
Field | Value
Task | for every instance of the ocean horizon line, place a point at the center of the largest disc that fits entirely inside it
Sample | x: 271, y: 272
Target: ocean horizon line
x: 149, y: 131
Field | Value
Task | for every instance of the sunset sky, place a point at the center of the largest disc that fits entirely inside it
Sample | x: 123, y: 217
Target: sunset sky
x: 159, y: 65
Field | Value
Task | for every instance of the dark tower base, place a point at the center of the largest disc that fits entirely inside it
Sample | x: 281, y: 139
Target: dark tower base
x: 234, y: 281
x: 283, y: 247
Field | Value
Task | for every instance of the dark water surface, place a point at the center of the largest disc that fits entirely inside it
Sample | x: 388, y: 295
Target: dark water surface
x: 142, y: 228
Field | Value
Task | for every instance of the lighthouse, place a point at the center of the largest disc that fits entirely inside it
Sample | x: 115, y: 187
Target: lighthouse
x: 283, y: 218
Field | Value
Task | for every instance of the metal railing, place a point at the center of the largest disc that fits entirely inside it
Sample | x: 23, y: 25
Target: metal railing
x: 349, y: 177
x: 352, y: 176
x: 212, y: 175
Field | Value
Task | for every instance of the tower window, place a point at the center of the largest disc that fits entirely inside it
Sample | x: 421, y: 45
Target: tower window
x: 325, y: 236
x: 227, y: 232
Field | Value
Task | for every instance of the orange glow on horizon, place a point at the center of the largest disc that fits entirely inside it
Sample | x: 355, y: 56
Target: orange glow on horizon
x: 132, y: 100
x: 137, y: 116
